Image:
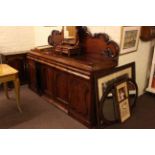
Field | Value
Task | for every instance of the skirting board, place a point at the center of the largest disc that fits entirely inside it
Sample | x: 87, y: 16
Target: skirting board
x: 151, y: 90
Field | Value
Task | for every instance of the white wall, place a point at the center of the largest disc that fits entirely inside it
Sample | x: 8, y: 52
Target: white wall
x: 113, y: 31
x: 16, y: 38
x: 142, y: 57
x: 42, y: 33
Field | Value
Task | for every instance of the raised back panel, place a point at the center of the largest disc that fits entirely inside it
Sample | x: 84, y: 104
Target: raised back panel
x: 98, y: 43
x: 56, y: 37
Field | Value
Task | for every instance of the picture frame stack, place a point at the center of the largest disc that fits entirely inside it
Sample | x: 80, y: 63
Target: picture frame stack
x: 103, y: 78
x: 107, y: 87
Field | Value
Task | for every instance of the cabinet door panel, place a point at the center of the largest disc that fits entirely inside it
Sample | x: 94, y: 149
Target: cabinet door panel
x: 61, y: 86
x: 32, y: 75
x: 79, y: 97
x: 47, y: 74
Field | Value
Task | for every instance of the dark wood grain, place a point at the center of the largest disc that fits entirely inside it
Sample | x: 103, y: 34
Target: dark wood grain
x: 61, y: 86
x: 147, y: 33
x: 80, y: 98
x: 32, y: 75
x: 47, y: 78
x: 69, y: 81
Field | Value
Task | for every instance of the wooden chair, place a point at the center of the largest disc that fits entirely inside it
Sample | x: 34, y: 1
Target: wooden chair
x: 7, y: 74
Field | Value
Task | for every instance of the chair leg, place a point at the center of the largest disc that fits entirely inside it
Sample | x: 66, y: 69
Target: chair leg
x: 17, y: 87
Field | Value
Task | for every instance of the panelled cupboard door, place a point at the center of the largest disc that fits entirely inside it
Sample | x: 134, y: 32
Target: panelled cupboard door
x: 32, y: 75
x: 79, y: 97
x: 61, y: 86
x: 47, y: 76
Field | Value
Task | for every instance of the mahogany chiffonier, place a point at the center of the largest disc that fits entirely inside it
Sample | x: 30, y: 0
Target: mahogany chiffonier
x: 69, y: 80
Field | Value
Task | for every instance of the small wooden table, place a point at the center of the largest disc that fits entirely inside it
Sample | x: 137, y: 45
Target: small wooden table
x: 7, y: 74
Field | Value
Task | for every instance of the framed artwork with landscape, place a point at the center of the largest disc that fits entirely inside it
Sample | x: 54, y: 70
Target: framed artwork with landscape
x: 129, y: 39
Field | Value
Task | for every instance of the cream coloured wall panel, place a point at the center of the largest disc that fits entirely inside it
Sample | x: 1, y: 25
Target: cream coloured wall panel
x: 142, y: 57
x: 114, y: 32
x: 16, y: 38
x: 42, y: 33
x: 96, y: 29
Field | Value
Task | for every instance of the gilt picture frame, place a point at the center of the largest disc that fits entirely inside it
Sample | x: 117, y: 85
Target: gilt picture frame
x: 122, y: 91
x: 122, y: 100
x: 129, y: 39
x: 124, y: 110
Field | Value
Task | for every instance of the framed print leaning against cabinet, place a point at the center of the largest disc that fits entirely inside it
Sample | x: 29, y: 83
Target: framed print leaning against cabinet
x: 102, y: 80
x: 104, y: 91
x: 122, y: 100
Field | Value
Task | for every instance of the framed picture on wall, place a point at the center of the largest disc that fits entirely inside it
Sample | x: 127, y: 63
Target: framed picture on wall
x: 129, y: 39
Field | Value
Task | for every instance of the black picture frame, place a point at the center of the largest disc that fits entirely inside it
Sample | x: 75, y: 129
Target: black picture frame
x: 123, y: 71
x: 126, y: 71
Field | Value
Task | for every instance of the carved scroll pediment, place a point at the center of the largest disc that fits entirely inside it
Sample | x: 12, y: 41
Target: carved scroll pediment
x: 68, y: 36
x: 56, y: 37
x: 90, y: 43
x: 100, y: 43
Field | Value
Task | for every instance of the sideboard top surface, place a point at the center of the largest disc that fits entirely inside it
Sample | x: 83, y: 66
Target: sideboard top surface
x: 89, y: 62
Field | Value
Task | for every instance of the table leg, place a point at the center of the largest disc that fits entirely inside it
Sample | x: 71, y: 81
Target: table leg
x: 6, y: 89
x: 17, y: 87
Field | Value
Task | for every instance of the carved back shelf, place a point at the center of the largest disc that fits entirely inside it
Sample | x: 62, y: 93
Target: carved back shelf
x: 98, y: 43
x: 56, y: 37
